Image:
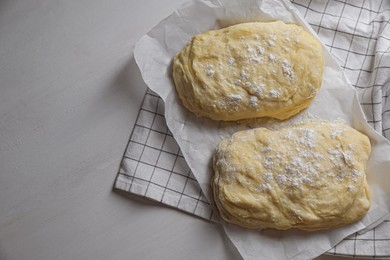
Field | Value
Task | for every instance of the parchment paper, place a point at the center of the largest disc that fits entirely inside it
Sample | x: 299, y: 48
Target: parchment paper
x: 198, y: 137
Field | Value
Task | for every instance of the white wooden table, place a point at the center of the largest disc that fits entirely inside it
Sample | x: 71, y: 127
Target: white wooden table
x: 69, y: 96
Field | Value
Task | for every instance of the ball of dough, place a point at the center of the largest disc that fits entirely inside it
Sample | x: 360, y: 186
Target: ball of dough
x: 310, y: 177
x: 249, y: 70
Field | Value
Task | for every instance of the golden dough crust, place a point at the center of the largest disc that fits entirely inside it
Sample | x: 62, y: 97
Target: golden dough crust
x: 310, y: 177
x: 249, y: 70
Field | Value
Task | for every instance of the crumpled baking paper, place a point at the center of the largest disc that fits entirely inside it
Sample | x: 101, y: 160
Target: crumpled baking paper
x: 198, y: 137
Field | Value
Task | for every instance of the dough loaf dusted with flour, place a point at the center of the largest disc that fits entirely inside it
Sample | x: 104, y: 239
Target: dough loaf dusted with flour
x: 249, y: 70
x: 310, y: 177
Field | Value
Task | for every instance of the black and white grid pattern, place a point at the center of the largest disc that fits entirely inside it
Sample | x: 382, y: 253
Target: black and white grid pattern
x: 357, y: 33
x: 154, y: 167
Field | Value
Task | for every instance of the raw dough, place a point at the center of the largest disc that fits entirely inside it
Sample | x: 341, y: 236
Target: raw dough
x: 311, y: 176
x: 249, y: 70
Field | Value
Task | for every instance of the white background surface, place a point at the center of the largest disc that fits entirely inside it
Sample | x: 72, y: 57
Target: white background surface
x: 69, y: 96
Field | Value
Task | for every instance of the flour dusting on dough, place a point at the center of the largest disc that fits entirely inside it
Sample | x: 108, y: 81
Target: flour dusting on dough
x: 288, y: 172
x: 209, y: 70
x: 238, y: 59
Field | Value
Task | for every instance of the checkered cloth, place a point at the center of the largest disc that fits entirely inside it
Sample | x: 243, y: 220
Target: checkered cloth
x: 154, y: 167
x: 357, y: 33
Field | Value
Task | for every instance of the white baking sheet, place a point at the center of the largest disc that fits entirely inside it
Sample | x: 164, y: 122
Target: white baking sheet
x: 197, y: 137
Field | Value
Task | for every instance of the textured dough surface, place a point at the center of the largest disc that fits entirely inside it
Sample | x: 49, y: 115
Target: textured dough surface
x: 249, y: 70
x: 310, y: 177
